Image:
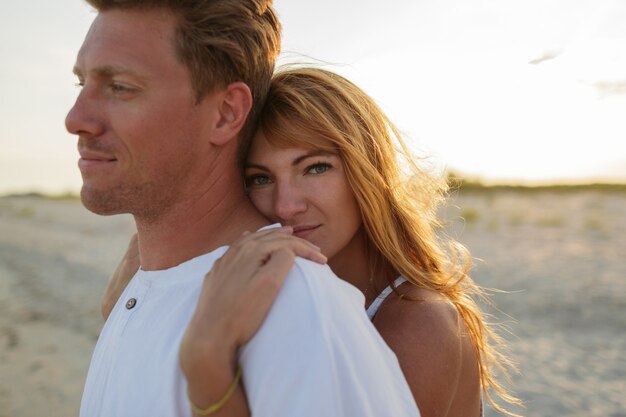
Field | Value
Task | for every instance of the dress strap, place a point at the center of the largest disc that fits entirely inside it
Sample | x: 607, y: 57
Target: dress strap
x: 373, y: 308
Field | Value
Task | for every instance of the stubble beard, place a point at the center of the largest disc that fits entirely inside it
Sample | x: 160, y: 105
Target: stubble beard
x: 148, y: 201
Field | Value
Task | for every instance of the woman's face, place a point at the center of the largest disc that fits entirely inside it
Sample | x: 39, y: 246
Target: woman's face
x: 306, y: 189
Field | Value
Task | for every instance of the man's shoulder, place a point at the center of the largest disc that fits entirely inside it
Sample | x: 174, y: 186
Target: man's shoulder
x: 307, y: 307
x: 320, y: 277
x: 316, y: 286
x: 309, y: 269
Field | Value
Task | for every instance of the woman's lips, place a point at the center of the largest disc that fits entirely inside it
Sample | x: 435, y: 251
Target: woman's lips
x: 304, y: 231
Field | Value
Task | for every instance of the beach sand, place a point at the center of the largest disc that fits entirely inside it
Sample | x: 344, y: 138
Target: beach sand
x: 559, y: 257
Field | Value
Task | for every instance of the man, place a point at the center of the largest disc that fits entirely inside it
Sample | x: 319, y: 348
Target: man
x: 169, y: 90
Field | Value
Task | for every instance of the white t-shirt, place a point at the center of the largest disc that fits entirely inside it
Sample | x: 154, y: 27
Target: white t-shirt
x: 316, y: 354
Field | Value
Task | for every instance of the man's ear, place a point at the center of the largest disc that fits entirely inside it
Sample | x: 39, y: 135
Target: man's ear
x: 234, y: 105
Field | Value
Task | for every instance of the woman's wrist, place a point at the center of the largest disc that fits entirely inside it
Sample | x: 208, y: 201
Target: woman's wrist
x: 203, y: 354
x: 214, y: 407
x: 210, y: 376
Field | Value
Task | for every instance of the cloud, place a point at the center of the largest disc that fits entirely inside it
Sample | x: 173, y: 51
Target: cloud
x: 547, y: 56
x: 608, y: 88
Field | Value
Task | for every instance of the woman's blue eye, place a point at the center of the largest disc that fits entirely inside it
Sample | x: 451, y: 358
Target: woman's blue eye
x: 318, y: 168
x: 256, y: 180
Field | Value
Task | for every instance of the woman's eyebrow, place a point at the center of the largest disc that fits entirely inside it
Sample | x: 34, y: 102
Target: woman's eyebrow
x: 257, y: 166
x: 296, y: 161
x: 312, y: 154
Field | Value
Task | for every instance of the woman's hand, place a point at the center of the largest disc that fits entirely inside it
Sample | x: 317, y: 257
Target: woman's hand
x: 237, y: 295
x: 124, y: 272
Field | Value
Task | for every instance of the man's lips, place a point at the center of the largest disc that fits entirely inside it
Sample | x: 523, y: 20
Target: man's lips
x: 90, y: 159
x: 304, y: 230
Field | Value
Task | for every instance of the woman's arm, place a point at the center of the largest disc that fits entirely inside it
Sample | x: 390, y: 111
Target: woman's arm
x: 124, y: 272
x: 236, y: 296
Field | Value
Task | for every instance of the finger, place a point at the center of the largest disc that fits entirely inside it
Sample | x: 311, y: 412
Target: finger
x: 280, y: 262
x: 286, y: 229
x: 234, y: 266
x: 257, y: 252
x: 248, y: 236
x: 308, y: 252
x: 283, y: 235
x: 258, y: 246
x: 260, y: 234
x: 243, y: 260
x: 271, y: 276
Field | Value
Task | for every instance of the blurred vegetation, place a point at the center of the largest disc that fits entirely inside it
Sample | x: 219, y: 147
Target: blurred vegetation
x: 470, y: 215
x: 457, y: 182
x: 68, y: 196
x: 26, y: 212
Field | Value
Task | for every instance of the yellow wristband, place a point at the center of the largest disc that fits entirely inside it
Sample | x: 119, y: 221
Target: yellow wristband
x: 218, y: 405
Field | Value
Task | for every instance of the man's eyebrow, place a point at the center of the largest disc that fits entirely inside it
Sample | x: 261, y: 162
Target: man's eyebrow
x: 296, y: 161
x: 108, y: 71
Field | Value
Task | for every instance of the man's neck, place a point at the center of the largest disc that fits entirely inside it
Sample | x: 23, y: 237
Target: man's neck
x: 194, y: 227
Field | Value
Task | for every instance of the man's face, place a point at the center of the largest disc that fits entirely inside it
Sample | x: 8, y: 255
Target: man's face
x: 140, y: 132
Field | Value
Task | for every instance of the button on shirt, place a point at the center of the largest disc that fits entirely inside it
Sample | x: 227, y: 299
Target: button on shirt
x: 131, y: 303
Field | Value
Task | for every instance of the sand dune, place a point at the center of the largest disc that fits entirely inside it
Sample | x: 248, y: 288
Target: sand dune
x: 560, y: 257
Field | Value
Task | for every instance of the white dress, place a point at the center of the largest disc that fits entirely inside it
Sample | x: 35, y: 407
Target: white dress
x: 373, y: 308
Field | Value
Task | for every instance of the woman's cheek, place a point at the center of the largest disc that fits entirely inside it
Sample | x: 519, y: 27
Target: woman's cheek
x: 262, y: 200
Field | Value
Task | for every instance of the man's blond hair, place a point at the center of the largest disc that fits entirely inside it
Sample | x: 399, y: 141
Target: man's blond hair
x: 220, y: 42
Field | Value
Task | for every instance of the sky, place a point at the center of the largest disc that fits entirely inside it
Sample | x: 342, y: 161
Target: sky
x: 507, y: 91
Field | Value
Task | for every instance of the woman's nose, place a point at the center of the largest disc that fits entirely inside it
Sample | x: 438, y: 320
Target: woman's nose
x: 289, y: 201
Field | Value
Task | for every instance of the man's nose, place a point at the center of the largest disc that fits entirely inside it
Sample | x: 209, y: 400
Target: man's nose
x: 83, y: 118
x: 289, y: 201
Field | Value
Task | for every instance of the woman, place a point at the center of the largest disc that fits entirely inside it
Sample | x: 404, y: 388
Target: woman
x: 327, y: 162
